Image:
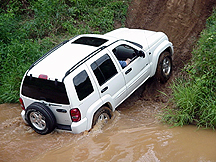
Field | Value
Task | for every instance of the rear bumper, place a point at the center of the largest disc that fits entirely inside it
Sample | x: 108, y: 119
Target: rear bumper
x: 78, y: 127
x: 23, y: 116
x: 75, y: 127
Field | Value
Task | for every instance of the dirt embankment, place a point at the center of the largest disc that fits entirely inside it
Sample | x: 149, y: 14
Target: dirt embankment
x: 182, y: 21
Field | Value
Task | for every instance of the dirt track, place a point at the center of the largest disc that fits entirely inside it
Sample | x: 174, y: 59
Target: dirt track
x: 182, y: 21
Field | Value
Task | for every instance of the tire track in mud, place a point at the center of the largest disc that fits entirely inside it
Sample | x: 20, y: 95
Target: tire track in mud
x: 182, y: 21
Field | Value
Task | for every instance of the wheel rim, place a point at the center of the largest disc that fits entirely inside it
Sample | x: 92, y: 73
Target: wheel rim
x: 166, y: 66
x: 104, y: 117
x: 37, y: 120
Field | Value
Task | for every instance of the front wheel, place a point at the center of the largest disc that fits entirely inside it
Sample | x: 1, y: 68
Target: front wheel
x: 164, y: 67
x: 102, y: 115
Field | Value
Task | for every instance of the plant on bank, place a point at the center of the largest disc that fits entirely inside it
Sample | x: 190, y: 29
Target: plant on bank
x: 28, y: 29
x: 194, y: 94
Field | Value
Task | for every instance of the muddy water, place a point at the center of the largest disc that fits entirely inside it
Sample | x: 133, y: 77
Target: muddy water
x: 132, y: 135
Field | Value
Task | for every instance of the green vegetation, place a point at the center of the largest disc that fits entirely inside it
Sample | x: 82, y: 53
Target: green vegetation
x: 194, y: 94
x: 29, y: 28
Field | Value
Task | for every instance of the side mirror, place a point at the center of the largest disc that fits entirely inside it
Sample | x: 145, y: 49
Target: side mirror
x: 141, y: 54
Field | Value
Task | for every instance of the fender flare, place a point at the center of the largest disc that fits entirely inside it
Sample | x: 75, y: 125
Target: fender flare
x: 104, y: 101
x: 166, y: 45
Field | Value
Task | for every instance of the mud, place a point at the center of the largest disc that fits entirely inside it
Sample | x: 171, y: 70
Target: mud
x: 182, y: 21
x: 134, y: 134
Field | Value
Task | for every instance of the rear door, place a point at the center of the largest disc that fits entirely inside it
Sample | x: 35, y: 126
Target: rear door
x: 82, y: 91
x: 109, y: 80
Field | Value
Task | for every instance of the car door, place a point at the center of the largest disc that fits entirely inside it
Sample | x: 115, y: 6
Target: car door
x: 82, y: 91
x: 110, y: 81
x: 138, y: 71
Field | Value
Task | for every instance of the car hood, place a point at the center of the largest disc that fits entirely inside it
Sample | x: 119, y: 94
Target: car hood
x: 145, y: 38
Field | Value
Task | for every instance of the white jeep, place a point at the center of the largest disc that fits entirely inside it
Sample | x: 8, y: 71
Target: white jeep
x: 81, y: 81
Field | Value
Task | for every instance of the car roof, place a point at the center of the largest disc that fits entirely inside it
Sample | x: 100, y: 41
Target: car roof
x: 59, y: 61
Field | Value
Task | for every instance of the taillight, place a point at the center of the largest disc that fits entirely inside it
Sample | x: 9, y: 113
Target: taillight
x: 75, y: 115
x: 42, y: 76
x: 22, y: 103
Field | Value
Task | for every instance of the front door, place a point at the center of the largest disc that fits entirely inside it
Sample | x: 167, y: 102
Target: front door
x: 137, y: 71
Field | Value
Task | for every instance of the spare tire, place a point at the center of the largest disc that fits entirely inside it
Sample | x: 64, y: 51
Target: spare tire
x: 40, y: 118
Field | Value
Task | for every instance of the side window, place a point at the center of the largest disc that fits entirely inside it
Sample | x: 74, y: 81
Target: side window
x: 103, y: 69
x: 122, y: 52
x: 82, y: 85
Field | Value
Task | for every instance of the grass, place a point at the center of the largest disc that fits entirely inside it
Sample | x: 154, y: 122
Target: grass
x: 28, y: 29
x: 194, y: 94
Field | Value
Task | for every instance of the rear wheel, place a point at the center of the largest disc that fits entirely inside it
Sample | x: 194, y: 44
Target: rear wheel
x: 102, y: 115
x: 164, y: 67
x: 40, y: 118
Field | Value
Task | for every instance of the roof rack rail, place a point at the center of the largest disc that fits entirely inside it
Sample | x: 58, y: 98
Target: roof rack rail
x: 82, y: 61
x: 48, y: 53
x: 92, y: 54
x: 86, y: 58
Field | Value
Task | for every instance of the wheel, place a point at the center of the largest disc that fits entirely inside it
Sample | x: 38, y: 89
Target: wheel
x: 40, y: 118
x: 102, y: 115
x: 164, y: 67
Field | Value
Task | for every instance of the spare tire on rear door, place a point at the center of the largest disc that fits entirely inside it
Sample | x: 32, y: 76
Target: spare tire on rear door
x: 40, y: 118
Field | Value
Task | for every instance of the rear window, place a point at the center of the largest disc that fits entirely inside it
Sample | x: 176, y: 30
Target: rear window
x: 83, y: 85
x: 47, y: 90
x: 91, y: 41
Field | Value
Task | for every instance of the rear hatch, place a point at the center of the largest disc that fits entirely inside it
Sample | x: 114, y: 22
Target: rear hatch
x: 52, y: 93
x: 43, y: 89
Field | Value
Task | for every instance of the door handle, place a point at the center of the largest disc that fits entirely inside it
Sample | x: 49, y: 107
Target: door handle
x: 128, y: 71
x: 103, y: 90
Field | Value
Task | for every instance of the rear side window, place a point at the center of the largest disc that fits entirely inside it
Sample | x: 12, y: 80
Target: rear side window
x: 82, y: 85
x: 104, y: 69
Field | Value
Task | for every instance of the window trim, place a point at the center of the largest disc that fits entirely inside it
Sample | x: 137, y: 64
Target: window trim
x: 79, y: 96
x: 105, y: 79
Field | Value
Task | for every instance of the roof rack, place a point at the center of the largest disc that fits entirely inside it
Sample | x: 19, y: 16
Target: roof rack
x: 82, y: 61
x: 92, y: 54
x: 48, y: 53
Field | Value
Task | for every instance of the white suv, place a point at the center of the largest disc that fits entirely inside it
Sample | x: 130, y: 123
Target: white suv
x: 81, y: 81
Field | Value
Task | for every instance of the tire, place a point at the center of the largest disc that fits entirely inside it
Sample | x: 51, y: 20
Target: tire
x: 164, y: 67
x: 40, y: 118
x: 103, y: 114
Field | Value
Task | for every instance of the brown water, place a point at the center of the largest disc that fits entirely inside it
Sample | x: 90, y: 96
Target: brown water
x: 132, y: 135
